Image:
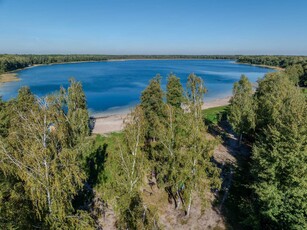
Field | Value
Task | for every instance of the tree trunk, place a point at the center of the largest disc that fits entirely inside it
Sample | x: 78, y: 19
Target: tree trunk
x: 240, y: 139
x: 189, y: 206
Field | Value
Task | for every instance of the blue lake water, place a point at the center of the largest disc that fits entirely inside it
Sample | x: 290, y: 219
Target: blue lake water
x: 115, y: 86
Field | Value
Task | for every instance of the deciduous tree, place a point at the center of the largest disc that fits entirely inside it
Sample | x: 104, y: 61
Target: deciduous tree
x: 241, y: 109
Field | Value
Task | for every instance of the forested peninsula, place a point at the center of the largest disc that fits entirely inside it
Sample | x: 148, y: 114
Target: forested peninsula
x: 295, y: 66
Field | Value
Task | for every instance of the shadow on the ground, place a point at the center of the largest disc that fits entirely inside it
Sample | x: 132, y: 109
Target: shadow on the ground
x: 234, y: 195
x: 95, y: 163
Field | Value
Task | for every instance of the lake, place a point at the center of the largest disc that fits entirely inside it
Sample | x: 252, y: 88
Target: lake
x: 114, y: 86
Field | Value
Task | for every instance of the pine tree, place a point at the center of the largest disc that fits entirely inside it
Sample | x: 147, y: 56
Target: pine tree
x: 241, y: 114
x: 280, y: 154
x: 153, y: 106
x: 4, y: 119
x: 174, y: 91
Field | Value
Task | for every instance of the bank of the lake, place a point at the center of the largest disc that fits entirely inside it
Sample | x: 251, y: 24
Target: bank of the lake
x: 114, y: 87
x: 277, y: 68
x: 8, y: 77
x: 13, y: 75
x: 115, y: 123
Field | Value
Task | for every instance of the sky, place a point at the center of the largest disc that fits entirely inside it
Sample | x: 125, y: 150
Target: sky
x: 153, y: 27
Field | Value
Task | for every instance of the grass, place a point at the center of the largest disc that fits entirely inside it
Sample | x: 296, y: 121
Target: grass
x: 110, y: 140
x: 213, y: 115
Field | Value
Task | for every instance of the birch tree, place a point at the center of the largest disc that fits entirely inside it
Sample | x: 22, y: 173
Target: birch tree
x: 38, y: 152
x: 241, y: 109
x: 77, y: 111
x: 127, y: 169
x: 184, y: 163
x: 199, y: 173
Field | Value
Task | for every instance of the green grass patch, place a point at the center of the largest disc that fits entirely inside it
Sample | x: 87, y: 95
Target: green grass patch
x: 110, y: 140
x: 214, y: 115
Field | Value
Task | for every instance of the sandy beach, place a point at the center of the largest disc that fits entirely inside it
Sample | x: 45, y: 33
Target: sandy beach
x: 8, y: 77
x: 114, y: 123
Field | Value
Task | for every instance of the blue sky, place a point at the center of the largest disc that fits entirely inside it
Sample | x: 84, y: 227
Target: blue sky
x: 154, y: 26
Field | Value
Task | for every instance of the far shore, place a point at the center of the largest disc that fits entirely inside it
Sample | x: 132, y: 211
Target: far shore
x: 263, y: 66
x: 115, y: 123
x: 13, y: 75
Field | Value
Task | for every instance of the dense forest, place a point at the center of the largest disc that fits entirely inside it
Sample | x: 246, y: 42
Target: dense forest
x: 10, y: 62
x: 54, y: 174
x: 296, y: 66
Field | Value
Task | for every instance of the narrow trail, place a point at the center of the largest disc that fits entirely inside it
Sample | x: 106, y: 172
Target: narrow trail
x: 227, y: 155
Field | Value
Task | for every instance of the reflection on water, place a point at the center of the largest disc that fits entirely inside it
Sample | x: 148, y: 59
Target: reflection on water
x: 114, y: 87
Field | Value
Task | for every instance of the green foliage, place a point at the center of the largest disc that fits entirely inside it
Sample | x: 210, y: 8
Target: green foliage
x: 16, y: 211
x: 295, y: 73
x: 4, y: 119
x: 77, y: 111
x: 280, y: 154
x: 213, y: 115
x: 174, y: 91
x: 25, y: 99
x: 296, y: 66
x: 152, y: 105
x: 183, y: 160
x: 269, y: 190
x: 39, y: 153
x: 126, y: 169
x: 241, y: 114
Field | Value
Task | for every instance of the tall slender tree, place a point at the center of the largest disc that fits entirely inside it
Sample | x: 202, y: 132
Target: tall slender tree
x: 127, y: 170
x: 153, y: 106
x: 184, y: 163
x: 174, y: 91
x: 241, y: 109
x: 77, y: 110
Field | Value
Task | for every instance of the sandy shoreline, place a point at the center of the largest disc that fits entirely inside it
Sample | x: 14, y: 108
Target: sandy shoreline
x: 114, y: 123
x: 8, y: 77
x: 263, y: 66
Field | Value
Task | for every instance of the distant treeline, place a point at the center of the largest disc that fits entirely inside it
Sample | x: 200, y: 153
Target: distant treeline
x: 296, y: 66
x: 13, y: 62
x: 280, y: 61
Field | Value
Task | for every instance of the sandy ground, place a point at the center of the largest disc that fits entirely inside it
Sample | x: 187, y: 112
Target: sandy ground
x: 114, y: 123
x: 8, y: 77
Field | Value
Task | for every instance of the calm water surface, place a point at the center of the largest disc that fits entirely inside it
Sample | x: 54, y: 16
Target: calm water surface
x: 115, y: 86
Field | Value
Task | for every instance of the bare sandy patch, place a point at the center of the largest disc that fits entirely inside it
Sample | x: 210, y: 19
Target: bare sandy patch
x: 8, y: 77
